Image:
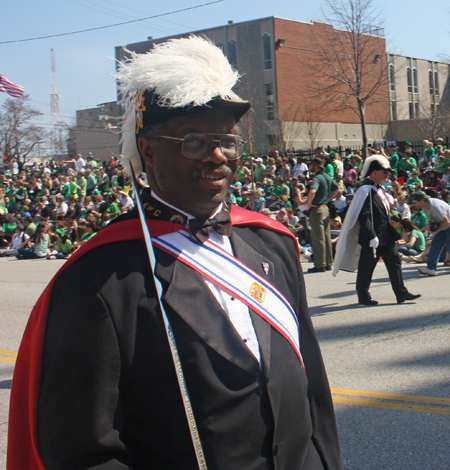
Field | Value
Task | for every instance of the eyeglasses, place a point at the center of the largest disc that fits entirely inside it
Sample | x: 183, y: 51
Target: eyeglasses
x: 197, y: 146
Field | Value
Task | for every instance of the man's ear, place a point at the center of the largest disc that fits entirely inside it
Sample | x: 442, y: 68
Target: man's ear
x: 145, y: 151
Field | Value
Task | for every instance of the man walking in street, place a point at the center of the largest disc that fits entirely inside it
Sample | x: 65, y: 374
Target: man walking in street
x: 367, y: 235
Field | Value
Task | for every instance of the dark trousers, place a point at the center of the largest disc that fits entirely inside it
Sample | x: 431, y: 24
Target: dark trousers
x: 366, y: 266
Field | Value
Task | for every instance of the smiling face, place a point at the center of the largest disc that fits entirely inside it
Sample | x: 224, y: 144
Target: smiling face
x: 197, y: 187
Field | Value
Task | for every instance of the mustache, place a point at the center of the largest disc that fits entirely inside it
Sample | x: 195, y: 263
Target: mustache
x: 202, y: 172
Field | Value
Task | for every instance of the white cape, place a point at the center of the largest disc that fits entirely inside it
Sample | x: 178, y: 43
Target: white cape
x: 348, y: 249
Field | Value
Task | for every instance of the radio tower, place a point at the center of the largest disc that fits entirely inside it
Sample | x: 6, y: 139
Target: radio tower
x: 56, y: 136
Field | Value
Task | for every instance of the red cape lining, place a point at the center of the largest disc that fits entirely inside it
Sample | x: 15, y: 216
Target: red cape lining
x: 23, y: 449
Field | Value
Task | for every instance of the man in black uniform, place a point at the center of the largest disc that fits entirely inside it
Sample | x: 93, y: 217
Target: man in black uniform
x: 108, y: 393
x: 377, y: 237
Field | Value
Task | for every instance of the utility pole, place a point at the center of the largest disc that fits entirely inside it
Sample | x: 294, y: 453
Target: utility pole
x: 56, y: 135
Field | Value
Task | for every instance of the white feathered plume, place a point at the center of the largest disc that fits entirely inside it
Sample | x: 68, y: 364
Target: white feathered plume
x: 182, y: 72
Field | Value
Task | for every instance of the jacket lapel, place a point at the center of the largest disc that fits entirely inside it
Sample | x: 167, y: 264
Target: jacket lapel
x: 189, y: 296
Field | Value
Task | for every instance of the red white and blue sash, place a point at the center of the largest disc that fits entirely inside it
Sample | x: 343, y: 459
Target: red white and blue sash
x: 227, y: 272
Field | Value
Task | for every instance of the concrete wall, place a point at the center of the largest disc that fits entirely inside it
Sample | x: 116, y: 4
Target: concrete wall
x: 423, y: 96
x: 102, y: 143
x: 332, y: 134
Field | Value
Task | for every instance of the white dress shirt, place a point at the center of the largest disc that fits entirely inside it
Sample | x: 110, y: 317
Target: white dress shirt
x: 237, y: 311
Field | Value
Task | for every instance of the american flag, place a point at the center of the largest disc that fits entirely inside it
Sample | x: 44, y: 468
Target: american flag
x: 7, y: 86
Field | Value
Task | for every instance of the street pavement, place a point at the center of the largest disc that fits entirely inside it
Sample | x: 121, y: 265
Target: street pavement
x: 388, y: 365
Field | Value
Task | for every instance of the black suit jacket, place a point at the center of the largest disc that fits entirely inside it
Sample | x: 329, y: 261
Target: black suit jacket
x: 109, y: 396
x: 379, y: 227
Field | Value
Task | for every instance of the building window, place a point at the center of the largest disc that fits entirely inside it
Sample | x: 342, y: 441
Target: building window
x: 413, y: 110
x: 409, y: 78
x: 354, y: 136
x: 415, y: 80
x: 232, y: 56
x: 436, y: 83
x: 393, y: 106
x: 345, y: 136
x: 268, y: 92
x: 430, y: 80
x: 219, y: 44
x: 267, y: 53
x: 391, y: 77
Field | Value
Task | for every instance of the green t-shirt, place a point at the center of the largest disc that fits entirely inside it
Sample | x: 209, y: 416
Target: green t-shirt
x: 66, y: 190
x: 259, y: 173
x: 394, y: 162
x: 329, y: 170
x: 405, y: 165
x: 419, y: 245
x: 241, y: 174
x: 81, y: 186
x: 285, y: 190
x: 430, y: 153
x: 323, y: 185
x: 420, y: 220
x: 60, y: 231
x: 65, y: 247
x: 9, y: 229
x: 113, y: 208
x: 413, y: 181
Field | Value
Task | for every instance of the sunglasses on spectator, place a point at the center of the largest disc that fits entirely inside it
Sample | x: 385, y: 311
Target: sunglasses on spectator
x: 197, y: 146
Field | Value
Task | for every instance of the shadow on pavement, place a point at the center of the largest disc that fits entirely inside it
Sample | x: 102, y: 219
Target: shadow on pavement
x: 5, y: 384
x: 359, y: 329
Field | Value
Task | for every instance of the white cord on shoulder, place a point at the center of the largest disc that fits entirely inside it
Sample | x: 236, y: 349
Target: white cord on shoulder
x: 173, y: 347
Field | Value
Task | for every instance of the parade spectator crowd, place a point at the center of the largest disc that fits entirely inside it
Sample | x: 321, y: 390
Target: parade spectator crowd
x: 50, y: 209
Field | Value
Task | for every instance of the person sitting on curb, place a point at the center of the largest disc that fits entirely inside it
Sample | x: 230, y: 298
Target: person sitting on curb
x: 438, y: 212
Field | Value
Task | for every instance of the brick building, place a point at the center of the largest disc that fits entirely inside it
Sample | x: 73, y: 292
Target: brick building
x: 279, y: 63
x: 289, y: 70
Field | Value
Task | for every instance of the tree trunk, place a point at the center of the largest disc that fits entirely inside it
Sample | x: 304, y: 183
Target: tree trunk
x: 362, y: 116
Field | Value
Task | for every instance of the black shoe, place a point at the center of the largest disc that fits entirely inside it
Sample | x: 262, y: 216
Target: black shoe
x: 328, y: 268
x: 407, y: 297
x: 316, y: 270
x: 367, y: 301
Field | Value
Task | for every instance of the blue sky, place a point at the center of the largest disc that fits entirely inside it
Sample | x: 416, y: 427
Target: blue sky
x: 84, y: 61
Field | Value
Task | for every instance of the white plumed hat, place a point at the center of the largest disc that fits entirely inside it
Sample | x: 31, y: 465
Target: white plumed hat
x: 175, y: 78
x: 376, y: 162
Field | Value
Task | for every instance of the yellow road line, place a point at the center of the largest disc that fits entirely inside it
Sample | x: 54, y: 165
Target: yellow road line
x: 376, y: 401
x: 390, y: 405
x: 8, y: 353
x: 391, y: 396
x: 7, y: 359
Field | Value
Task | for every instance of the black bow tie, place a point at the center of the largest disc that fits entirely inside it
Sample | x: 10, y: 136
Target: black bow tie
x: 201, y: 228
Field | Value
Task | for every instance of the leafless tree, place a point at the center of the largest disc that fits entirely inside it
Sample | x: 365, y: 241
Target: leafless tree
x: 287, y: 129
x: 433, y: 122
x: 250, y: 124
x: 312, y: 128
x: 350, y: 64
x: 18, y: 134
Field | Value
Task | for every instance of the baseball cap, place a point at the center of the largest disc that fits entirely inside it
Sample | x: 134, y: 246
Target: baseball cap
x: 419, y: 196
